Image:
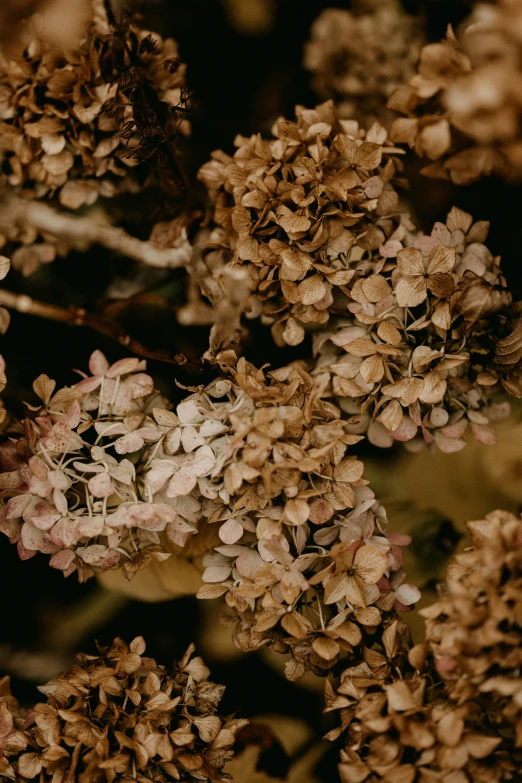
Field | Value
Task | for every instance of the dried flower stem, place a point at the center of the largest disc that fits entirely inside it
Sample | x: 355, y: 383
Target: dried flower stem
x: 85, y: 232
x: 77, y: 316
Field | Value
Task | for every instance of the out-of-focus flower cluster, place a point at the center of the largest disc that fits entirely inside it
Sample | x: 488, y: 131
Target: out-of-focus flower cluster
x: 70, y: 120
x: 119, y: 716
x: 294, y: 208
x: 399, y: 726
x: 474, y: 629
x: 463, y: 107
x: 107, y: 475
x: 448, y: 709
x: 359, y: 57
x: 415, y: 359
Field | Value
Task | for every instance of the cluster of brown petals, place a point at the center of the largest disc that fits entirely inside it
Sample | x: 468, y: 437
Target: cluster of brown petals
x: 416, y: 358
x: 119, y: 716
x: 295, y: 208
x: 360, y: 57
x: 68, y: 125
x: 306, y: 563
x: 398, y: 725
x: 474, y: 630
x: 463, y: 108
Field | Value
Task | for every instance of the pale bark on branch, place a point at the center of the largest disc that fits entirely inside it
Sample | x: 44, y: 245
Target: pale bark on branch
x: 85, y: 231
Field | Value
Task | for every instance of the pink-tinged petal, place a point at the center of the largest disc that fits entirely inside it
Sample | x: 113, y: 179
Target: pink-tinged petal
x: 181, y: 484
x: 149, y: 516
x: 99, y: 556
x: 159, y: 474
x: 88, y: 384
x: 407, y: 594
x: 23, y: 553
x: 73, y: 415
x: 248, y: 563
x: 63, y: 560
x: 98, y: 364
x: 231, y: 531
x: 405, y: 431
x: 17, y: 506
x: 129, y: 443
x: 124, y: 366
x: 399, y: 539
x: 101, y: 485
x: 32, y: 537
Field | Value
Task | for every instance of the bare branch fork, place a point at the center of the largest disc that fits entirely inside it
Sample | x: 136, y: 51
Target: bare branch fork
x: 85, y: 231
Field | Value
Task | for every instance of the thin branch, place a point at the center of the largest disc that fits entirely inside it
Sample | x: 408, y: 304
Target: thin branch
x: 77, y: 316
x: 85, y: 231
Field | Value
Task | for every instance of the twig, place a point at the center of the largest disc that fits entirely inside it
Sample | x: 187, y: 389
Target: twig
x: 84, y: 231
x: 77, y: 316
x: 227, y: 290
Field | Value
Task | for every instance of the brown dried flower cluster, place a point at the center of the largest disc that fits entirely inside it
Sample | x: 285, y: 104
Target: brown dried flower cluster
x: 72, y: 122
x: 293, y: 209
x: 120, y: 716
x: 463, y: 108
x: 416, y: 358
x: 306, y: 564
x: 399, y: 726
x: 474, y: 629
x: 359, y: 57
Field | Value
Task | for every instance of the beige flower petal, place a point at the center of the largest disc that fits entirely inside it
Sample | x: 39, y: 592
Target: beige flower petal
x: 370, y: 564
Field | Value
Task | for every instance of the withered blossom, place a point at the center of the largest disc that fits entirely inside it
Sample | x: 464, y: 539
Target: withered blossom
x: 417, y: 358
x: 359, y: 57
x: 296, y: 516
x: 474, y: 629
x: 73, y: 122
x: 120, y: 716
x: 398, y: 725
x: 463, y: 107
x: 299, y: 210
x: 71, y: 485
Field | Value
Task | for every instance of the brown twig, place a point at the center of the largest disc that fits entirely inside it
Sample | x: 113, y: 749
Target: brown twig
x: 85, y: 231
x: 77, y: 316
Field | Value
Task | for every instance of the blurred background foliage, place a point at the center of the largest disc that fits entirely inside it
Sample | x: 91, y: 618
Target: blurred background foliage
x: 244, y: 65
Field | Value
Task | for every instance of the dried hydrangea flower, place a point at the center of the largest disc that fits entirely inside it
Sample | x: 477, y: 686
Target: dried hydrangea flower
x: 416, y: 358
x: 121, y: 716
x: 305, y: 562
x: 13, y: 737
x: 73, y: 488
x: 297, y: 209
x: 474, y: 629
x: 463, y: 107
x: 69, y: 125
x: 359, y: 57
x: 399, y: 726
